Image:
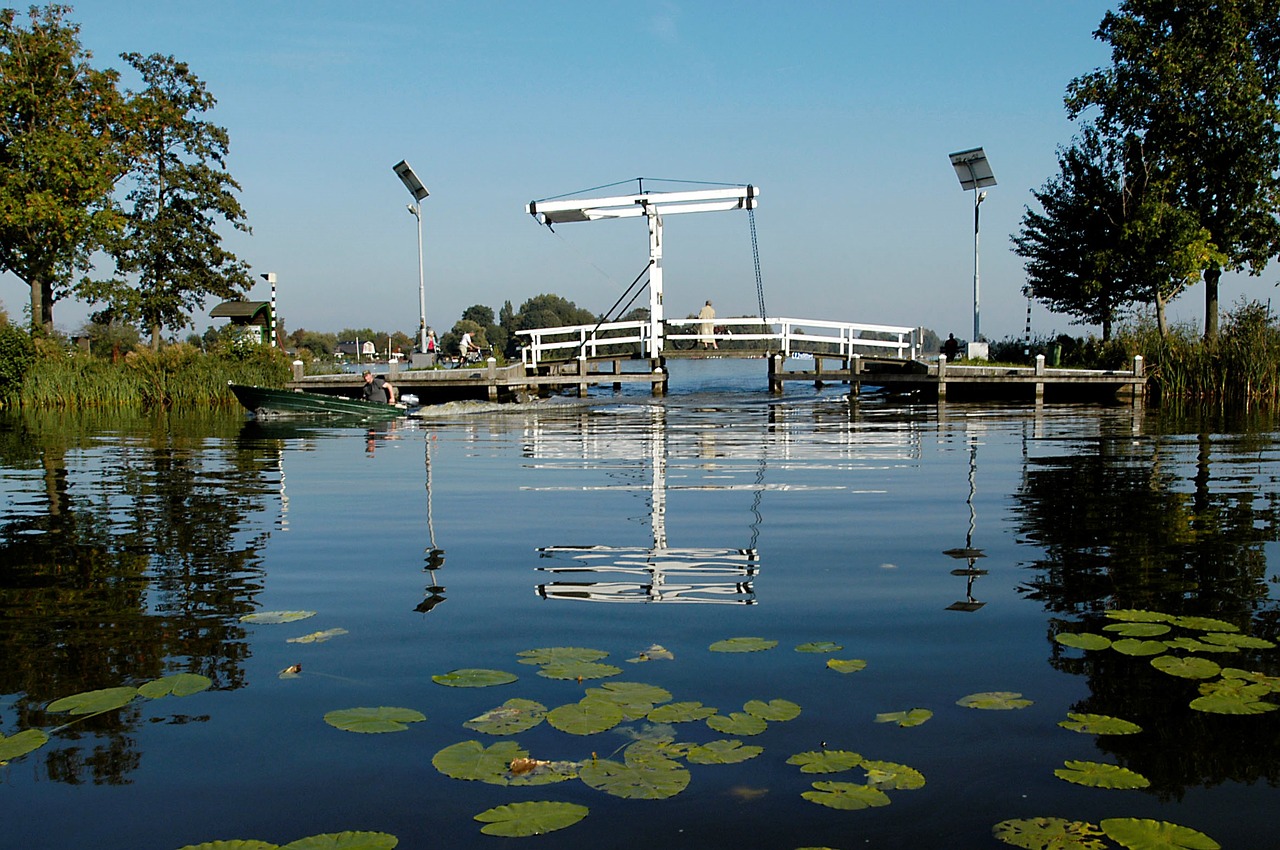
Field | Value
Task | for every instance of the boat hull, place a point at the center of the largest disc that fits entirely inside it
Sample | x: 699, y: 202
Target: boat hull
x: 268, y: 403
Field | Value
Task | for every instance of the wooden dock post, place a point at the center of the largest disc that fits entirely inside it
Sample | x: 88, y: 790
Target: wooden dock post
x: 659, y: 381
x: 299, y: 369
x: 942, y: 378
x: 1039, y: 374
x: 775, y: 374
x: 855, y: 376
x: 493, y: 378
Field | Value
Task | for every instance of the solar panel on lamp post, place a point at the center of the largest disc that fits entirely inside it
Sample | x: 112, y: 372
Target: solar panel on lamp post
x: 418, y: 191
x: 975, y: 173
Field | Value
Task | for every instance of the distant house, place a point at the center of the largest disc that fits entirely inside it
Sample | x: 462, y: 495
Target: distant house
x: 251, y: 318
x: 354, y: 348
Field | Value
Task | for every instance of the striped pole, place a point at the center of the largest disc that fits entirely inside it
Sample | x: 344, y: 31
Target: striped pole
x: 1026, y: 346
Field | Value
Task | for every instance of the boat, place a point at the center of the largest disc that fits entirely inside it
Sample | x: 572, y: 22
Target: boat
x: 269, y: 403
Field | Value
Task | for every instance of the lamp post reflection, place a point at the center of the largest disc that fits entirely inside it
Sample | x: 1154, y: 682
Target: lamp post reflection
x: 968, y: 552
x: 433, y: 555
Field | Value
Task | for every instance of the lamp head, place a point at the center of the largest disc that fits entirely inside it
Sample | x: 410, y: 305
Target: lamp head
x: 982, y: 196
x: 413, y: 210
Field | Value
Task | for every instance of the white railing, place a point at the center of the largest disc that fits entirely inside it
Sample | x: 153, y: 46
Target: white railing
x: 786, y: 335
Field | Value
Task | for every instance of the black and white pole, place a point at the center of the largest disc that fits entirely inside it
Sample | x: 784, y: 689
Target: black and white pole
x: 1026, y: 345
x: 270, y: 277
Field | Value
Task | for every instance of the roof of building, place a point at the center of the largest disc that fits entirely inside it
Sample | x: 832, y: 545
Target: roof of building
x: 239, y: 309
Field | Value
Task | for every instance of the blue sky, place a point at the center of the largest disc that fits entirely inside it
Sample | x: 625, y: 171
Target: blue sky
x: 843, y: 113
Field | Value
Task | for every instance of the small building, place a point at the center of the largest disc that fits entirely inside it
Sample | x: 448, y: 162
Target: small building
x: 251, y: 318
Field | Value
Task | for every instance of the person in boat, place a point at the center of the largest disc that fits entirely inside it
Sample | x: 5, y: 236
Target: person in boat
x: 708, y: 328
x: 377, y: 389
x: 951, y: 348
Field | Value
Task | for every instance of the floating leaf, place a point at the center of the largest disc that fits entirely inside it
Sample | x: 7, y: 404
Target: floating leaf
x: 26, y: 741
x: 680, y: 712
x: 1192, y: 645
x: 345, y: 841
x: 1099, y: 775
x: 632, y: 693
x: 737, y: 723
x: 516, y: 820
x: 636, y: 782
x: 1082, y: 640
x: 1137, y: 616
x: 891, y: 775
x: 722, y: 752
x: 1239, y: 688
x: 232, y: 845
x: 819, y: 646
x: 1049, y: 834
x: 826, y: 761
x: 1133, y: 646
x: 1238, y: 641
x: 1205, y: 624
x: 774, y: 709
x: 472, y: 760
x: 560, y: 654
x: 1099, y: 724
x: 653, y: 653
x: 1227, y: 703
x: 474, y: 678
x: 743, y: 644
x: 994, y: 701
x: 1271, y: 682
x: 851, y: 665
x: 914, y: 717
x: 573, y: 670
x: 1186, y: 668
x: 179, y: 685
x: 846, y: 795
x: 1138, y: 629
x: 513, y: 716
x: 528, y: 771
x: 93, y: 702
x: 318, y: 637
x: 273, y: 617
x: 654, y: 753
x: 373, y: 720
x: 1143, y: 834
x: 586, y: 716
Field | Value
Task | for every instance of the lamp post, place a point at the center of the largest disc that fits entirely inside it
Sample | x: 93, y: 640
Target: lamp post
x: 418, y: 191
x: 975, y: 173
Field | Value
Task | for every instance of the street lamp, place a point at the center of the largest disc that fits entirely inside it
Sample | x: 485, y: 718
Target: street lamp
x: 418, y: 191
x: 975, y: 173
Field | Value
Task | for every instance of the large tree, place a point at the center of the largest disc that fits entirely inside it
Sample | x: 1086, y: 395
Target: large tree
x: 62, y: 151
x: 1198, y: 81
x: 171, y: 251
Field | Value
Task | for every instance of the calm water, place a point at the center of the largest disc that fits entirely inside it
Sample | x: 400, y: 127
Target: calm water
x: 944, y: 546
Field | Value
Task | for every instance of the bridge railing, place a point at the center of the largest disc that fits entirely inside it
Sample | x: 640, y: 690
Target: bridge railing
x: 583, y: 342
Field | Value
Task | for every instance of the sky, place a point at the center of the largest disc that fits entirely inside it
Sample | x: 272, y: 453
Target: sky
x: 842, y: 113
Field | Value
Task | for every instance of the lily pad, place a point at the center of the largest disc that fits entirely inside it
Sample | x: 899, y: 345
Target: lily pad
x: 373, y: 720
x: 826, y: 761
x: 994, y: 701
x: 722, y: 752
x: 573, y: 670
x: 1188, y: 644
x: 1205, y: 624
x: 517, y: 820
x: 1133, y: 646
x: 914, y: 717
x: 1186, y: 668
x: 513, y: 716
x: 653, y: 653
x: 345, y: 841
x: 1272, y: 683
x: 737, y: 723
x: 21, y: 743
x: 93, y: 702
x: 1049, y: 834
x: 318, y: 637
x: 893, y: 776
x: 743, y: 644
x: 474, y: 678
x: 681, y: 712
x: 586, y: 716
x: 774, y: 709
x: 1138, y: 629
x: 1143, y: 834
x: 633, y: 693
x: 1227, y: 703
x: 273, y: 617
x: 1099, y: 724
x: 1139, y: 616
x: 1099, y: 775
x: 560, y: 654
x: 819, y: 646
x: 850, y: 665
x: 472, y: 760
x: 235, y: 844
x: 1082, y: 640
x: 635, y: 782
x: 1238, y: 641
x: 178, y: 685
x: 846, y: 795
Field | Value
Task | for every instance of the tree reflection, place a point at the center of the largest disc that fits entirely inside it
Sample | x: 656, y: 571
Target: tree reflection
x: 129, y: 551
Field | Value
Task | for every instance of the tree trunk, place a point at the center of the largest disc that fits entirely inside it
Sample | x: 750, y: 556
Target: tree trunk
x: 155, y: 336
x: 42, y: 304
x: 1162, y: 321
x: 1211, y: 277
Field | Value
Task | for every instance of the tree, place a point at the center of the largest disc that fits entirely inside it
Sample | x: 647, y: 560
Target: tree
x: 62, y: 152
x: 1198, y: 82
x: 180, y: 194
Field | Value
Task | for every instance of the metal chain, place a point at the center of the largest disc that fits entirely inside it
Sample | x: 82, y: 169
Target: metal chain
x: 755, y: 255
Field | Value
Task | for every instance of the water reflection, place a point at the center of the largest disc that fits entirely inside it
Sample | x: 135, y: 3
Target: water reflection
x: 433, y: 555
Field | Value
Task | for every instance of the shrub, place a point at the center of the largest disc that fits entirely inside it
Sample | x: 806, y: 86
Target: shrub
x: 17, y: 353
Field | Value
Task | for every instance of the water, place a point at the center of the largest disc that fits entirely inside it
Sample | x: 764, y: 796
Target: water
x: 132, y: 548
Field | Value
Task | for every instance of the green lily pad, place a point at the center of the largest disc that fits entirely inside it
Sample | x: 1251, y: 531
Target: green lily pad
x: 1133, y: 646
x: 1238, y: 641
x: 345, y: 841
x: 178, y: 685
x: 1049, y: 834
x: 1239, y: 688
x: 737, y: 723
x: 633, y: 693
x: 373, y: 720
x: 235, y: 844
x: 635, y: 782
x: 472, y: 760
x: 743, y: 644
x: 517, y: 820
x: 21, y: 743
x: 560, y: 654
x: 1082, y: 640
x: 850, y: 665
x: 1098, y: 775
x: 1272, y: 683
x: 1186, y: 668
x: 93, y: 702
x: 825, y: 761
x: 846, y: 795
x: 1143, y: 834
x: 1227, y: 703
x: 1205, y: 624
x: 318, y: 637
x: 1138, y: 616
x: 994, y: 701
x: 1138, y: 629
x: 914, y: 717
x: 774, y: 709
x: 573, y: 670
x: 681, y: 712
x: 586, y: 716
x: 819, y: 646
x: 893, y: 776
x: 513, y: 716
x: 474, y: 678
x: 722, y: 752
x: 274, y: 617
x: 1099, y: 724
x: 1188, y: 644
x: 654, y: 753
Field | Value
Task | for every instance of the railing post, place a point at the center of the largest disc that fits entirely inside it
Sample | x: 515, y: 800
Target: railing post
x: 493, y: 378
x: 1137, y: 366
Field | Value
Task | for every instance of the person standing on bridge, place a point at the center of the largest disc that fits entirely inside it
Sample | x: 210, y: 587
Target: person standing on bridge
x: 708, y: 328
